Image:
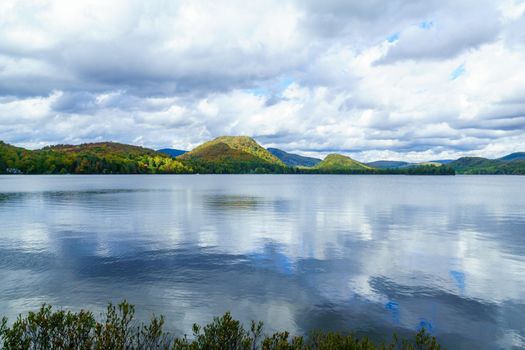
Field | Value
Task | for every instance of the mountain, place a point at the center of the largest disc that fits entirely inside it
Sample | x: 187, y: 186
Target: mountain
x: 227, y: 154
x: 232, y: 154
x: 514, y: 156
x: 478, y: 165
x: 337, y: 163
x: 101, y: 149
x: 388, y: 164
x: 172, y: 152
x: 89, y: 158
x: 464, y: 164
x: 442, y: 161
x: 291, y: 159
x: 12, y: 158
x: 7, y: 149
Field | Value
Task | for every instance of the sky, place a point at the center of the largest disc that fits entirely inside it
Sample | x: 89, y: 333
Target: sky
x: 401, y: 80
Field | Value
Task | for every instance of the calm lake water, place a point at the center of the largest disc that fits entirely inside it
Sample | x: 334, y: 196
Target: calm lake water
x: 371, y: 254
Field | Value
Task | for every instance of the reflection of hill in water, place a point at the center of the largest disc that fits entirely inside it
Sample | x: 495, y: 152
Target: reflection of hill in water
x: 233, y: 202
x: 70, y: 196
x: 240, y: 202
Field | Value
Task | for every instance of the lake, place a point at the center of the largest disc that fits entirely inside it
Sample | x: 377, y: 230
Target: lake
x: 371, y: 254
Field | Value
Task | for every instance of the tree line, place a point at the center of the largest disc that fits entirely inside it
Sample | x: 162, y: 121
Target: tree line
x: 111, y: 158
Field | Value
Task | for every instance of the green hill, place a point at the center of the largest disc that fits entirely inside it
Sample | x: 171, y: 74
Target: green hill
x: 337, y: 163
x: 90, y: 158
x: 514, y: 156
x: 478, y: 165
x: 225, y: 155
x: 13, y: 159
x: 232, y: 154
x: 101, y: 148
x: 292, y: 159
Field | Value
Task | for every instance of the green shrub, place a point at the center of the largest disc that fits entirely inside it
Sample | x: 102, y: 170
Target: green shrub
x: 66, y: 330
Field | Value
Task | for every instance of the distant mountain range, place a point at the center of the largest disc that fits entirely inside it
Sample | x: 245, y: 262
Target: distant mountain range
x: 513, y: 164
x: 388, y: 164
x: 228, y: 155
x: 291, y: 159
x: 172, y: 151
x: 514, y: 156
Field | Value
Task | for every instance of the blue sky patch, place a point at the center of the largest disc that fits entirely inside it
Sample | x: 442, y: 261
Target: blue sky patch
x: 394, y: 37
x: 458, y: 71
x: 273, y: 88
x: 259, y: 91
x: 285, y: 82
x: 426, y: 25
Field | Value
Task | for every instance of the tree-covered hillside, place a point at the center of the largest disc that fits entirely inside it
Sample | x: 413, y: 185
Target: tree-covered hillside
x: 483, y: 166
x: 232, y: 154
x: 94, y: 158
x: 337, y: 163
x: 225, y: 155
x: 514, y: 156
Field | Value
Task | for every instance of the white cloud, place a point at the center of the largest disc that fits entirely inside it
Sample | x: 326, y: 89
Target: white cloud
x: 311, y: 77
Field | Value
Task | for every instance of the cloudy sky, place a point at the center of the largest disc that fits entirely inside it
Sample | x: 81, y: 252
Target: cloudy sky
x: 395, y: 79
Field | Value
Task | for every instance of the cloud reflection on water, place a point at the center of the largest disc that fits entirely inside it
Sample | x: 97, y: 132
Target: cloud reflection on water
x: 370, y: 254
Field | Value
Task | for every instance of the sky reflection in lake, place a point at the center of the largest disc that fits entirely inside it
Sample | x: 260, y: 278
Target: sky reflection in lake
x: 367, y: 253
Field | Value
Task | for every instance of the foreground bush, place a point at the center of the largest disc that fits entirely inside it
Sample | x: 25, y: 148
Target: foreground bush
x: 48, y: 329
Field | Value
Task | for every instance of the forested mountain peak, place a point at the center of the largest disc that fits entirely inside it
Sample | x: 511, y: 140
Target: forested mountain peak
x: 237, y: 144
x: 336, y: 161
x: 100, y: 147
x: 514, y: 156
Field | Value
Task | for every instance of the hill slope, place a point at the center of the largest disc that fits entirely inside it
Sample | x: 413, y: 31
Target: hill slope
x: 338, y: 163
x: 13, y: 159
x: 514, y: 156
x: 90, y: 158
x: 101, y: 148
x: 228, y: 154
x: 292, y: 159
x: 478, y: 165
x: 232, y: 154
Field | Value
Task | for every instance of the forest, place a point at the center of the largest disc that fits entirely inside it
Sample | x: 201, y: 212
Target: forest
x: 98, y: 158
x: 225, y: 155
